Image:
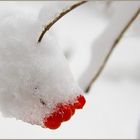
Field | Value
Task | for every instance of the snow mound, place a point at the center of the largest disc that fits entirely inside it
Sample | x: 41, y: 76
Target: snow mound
x: 34, y: 77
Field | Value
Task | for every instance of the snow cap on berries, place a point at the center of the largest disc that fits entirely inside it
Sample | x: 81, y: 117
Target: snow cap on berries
x: 34, y: 77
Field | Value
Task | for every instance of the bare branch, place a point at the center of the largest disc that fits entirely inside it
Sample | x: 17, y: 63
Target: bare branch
x: 116, y: 41
x: 63, y: 13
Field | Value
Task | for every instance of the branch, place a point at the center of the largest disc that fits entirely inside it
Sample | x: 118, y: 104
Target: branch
x: 118, y: 39
x: 63, y: 13
x: 105, y: 45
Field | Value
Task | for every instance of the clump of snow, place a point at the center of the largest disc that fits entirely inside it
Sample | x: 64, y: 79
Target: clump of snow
x: 31, y: 73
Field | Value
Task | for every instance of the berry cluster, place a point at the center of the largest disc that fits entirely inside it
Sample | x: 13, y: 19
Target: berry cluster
x: 63, y: 113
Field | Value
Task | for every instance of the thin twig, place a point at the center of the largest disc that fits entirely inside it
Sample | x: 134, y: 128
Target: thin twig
x: 116, y: 41
x: 47, y: 27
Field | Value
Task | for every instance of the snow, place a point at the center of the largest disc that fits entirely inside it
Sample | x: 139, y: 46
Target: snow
x: 103, y: 45
x: 31, y: 72
x: 112, y: 108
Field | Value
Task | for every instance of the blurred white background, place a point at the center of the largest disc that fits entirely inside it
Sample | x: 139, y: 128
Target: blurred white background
x: 112, y: 108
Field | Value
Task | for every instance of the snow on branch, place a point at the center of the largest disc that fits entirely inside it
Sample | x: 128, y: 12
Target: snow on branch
x: 61, y: 14
x: 125, y: 15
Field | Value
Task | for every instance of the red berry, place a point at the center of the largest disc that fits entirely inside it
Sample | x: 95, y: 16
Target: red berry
x: 53, y: 121
x: 80, y: 102
x: 63, y: 113
x: 72, y: 109
x: 66, y: 112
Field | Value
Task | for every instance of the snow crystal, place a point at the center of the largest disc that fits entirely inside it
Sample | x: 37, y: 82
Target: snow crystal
x: 34, y: 77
